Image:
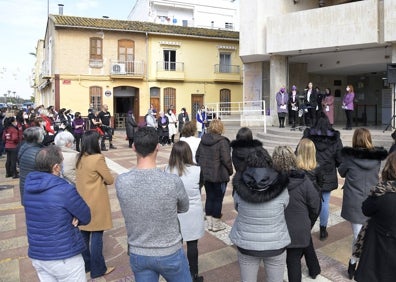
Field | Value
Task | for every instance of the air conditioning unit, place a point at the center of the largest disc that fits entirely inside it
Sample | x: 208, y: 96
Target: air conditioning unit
x: 118, y: 68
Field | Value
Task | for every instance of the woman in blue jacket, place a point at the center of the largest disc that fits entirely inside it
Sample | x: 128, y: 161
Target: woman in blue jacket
x: 53, y: 210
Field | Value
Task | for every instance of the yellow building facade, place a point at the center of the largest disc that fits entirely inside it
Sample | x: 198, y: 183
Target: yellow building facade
x: 129, y: 65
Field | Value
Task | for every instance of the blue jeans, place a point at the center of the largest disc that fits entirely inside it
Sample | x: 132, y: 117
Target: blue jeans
x: 324, y: 212
x: 174, y: 267
x: 93, y: 255
x: 214, y: 198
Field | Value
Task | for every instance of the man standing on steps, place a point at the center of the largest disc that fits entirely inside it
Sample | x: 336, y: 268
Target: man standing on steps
x: 105, y: 117
x: 150, y: 200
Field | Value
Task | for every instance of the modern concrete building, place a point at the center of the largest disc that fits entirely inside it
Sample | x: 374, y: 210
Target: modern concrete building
x: 331, y: 43
x: 130, y: 65
x: 219, y: 14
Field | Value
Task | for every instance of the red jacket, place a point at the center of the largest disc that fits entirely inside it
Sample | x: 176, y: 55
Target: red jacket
x: 12, y: 136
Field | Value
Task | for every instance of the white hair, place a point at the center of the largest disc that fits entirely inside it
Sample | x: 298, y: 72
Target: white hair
x: 63, y: 138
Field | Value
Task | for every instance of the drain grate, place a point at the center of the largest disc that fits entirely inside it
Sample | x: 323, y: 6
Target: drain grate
x: 3, y: 187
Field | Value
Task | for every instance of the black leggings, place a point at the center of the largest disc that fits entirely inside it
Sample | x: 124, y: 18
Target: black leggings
x: 192, y: 256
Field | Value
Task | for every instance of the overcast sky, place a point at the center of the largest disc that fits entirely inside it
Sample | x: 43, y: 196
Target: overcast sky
x: 23, y: 23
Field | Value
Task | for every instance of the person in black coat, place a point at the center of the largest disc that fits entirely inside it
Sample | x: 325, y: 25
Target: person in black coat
x: 130, y: 127
x: 328, y: 147
x: 214, y: 157
x: 302, y: 211
x: 310, y: 103
x: 242, y: 146
x: 378, y: 251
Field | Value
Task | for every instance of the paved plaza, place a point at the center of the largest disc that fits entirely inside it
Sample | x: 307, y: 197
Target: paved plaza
x: 217, y: 256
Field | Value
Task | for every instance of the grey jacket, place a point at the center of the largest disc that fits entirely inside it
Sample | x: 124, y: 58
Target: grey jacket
x: 260, y: 199
x: 360, y: 168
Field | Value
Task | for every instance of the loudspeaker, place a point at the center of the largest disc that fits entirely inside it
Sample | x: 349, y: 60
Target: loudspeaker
x: 391, y: 73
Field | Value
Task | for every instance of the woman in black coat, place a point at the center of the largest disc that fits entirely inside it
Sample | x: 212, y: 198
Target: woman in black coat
x: 328, y: 147
x: 214, y: 157
x: 378, y: 255
x: 302, y: 211
x: 242, y: 146
x: 130, y: 126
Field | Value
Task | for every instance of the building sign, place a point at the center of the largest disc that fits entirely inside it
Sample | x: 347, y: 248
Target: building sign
x: 107, y: 93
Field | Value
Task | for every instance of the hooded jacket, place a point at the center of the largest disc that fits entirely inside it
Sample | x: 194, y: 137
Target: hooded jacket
x: 360, y: 168
x: 328, y: 155
x: 260, y: 198
x: 51, y: 203
x: 214, y: 157
x: 303, y: 208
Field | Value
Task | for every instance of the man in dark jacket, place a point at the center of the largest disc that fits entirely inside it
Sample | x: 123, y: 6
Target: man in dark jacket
x: 53, y: 210
x: 33, y: 136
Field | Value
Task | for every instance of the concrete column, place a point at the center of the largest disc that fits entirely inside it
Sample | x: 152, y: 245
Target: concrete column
x: 278, y: 78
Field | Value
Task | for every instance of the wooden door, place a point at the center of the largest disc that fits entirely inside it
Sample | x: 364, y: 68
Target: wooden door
x: 155, y: 101
x: 197, y: 100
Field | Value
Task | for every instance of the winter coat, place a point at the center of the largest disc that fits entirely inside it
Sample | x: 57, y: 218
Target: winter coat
x: 303, y: 208
x: 192, y: 222
x: 313, y: 99
x: 51, y: 203
x: 12, y: 136
x: 241, y: 149
x: 27, y: 163
x: 360, y: 168
x: 260, y: 198
x: 214, y: 157
x: 93, y: 176
x: 378, y: 259
x: 182, y: 118
x: 328, y: 155
x: 130, y: 126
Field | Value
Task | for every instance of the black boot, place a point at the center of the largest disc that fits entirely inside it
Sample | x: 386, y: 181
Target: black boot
x: 351, y: 269
x: 196, y: 278
x: 323, y: 233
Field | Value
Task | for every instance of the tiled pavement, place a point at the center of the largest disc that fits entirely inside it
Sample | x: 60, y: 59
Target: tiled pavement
x: 217, y: 257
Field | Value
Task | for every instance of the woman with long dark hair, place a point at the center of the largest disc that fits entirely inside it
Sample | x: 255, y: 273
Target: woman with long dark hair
x: 347, y: 105
x: 191, y: 223
x: 12, y: 136
x: 92, y: 178
x: 328, y: 147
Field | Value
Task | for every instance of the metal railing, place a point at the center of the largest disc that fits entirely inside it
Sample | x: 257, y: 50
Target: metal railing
x: 219, y: 68
x: 247, y: 112
x: 170, y: 66
x: 127, y: 67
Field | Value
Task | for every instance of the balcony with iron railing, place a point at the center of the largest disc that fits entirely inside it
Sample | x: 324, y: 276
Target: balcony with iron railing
x: 170, y: 70
x: 127, y: 69
x: 230, y: 73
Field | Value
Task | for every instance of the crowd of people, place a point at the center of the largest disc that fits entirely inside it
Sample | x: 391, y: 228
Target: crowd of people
x: 64, y: 177
x: 305, y: 109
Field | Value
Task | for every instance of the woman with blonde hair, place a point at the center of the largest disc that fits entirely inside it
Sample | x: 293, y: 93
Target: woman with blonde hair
x: 306, y: 160
x: 214, y: 157
x: 302, y: 211
x: 360, y: 168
